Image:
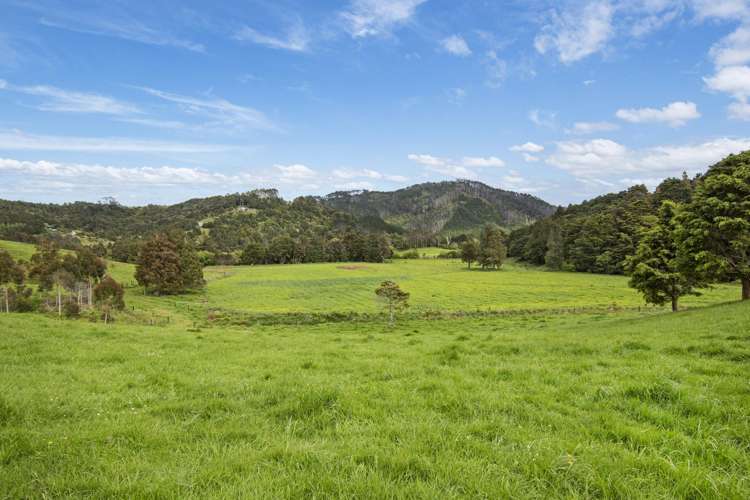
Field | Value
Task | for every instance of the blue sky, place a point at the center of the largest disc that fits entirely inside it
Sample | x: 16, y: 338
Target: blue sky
x: 161, y: 101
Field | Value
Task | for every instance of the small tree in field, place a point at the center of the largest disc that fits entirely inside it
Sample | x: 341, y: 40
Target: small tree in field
x: 655, y: 266
x: 394, y: 299
x: 108, y: 295
x: 10, y: 272
x: 470, y: 251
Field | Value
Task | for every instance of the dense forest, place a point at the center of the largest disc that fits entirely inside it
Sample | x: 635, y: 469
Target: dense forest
x: 598, y: 235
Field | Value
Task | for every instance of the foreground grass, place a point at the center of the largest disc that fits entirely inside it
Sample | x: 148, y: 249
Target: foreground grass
x: 537, y: 407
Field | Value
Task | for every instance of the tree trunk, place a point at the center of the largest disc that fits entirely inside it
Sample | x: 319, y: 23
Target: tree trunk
x: 746, y: 288
x: 59, y: 301
x: 675, y: 304
x: 7, y: 307
x: 91, y: 299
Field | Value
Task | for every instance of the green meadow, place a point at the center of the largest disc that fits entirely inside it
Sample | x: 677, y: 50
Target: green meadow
x: 579, y: 391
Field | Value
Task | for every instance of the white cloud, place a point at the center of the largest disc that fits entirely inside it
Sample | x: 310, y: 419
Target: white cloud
x: 365, y: 173
x: 479, y: 162
x: 296, y: 39
x: 221, y: 112
x: 734, y: 49
x: 721, y: 9
x: 733, y: 80
x: 456, y: 45
x: 296, y: 173
x: 112, y: 21
x: 529, y: 158
x: 66, y: 101
x: 676, y: 114
x: 543, y: 118
x: 575, y: 35
x: 601, y: 158
x: 585, y: 128
x: 529, y: 147
x: 19, y: 141
x: 103, y: 175
x: 453, y: 168
x: 365, y: 18
x: 497, y: 70
x: 739, y: 110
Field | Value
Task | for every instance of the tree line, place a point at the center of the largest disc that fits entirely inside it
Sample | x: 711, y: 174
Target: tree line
x: 686, y: 235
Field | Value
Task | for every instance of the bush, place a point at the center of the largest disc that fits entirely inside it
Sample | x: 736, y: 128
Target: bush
x: 71, y: 309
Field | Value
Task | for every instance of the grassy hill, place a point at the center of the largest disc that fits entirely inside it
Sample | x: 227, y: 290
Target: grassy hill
x: 522, y: 407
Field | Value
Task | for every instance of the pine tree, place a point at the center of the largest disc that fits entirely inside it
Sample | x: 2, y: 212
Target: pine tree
x: 655, y: 266
x: 714, y: 229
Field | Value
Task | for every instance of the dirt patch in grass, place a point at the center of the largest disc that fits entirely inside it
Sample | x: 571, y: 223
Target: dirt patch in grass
x: 351, y: 268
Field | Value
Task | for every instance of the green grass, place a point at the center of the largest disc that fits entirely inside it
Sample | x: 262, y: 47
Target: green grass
x: 18, y: 250
x: 547, y: 402
x: 526, y: 407
x: 435, y: 284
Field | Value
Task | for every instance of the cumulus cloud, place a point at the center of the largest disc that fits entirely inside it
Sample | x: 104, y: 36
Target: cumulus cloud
x: 82, y: 174
x: 363, y: 18
x: 733, y: 80
x: 602, y: 158
x: 721, y: 9
x: 577, y: 34
x: 529, y: 147
x: 734, y: 49
x: 585, y: 128
x: 479, y: 162
x: 676, y: 114
x: 453, y: 168
x: 456, y: 45
x: 342, y: 173
x: 296, y: 173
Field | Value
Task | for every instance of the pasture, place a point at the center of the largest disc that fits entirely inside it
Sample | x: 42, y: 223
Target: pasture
x: 577, y: 393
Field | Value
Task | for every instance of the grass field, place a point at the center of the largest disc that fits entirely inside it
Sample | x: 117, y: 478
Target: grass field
x: 533, y: 407
x: 547, y: 402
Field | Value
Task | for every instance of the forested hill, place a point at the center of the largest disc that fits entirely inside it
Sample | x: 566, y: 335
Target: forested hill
x: 225, y: 224
x: 443, y: 208
x: 600, y: 234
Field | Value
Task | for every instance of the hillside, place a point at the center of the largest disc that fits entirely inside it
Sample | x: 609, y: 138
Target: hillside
x: 228, y: 223
x: 443, y: 207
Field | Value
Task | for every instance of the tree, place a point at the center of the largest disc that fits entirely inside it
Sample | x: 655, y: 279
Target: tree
x: 44, y: 263
x: 655, y: 269
x: 492, y: 251
x: 91, y: 269
x: 158, y: 267
x: 253, y: 254
x: 714, y: 234
x: 10, y: 272
x: 394, y: 299
x: 555, y: 256
x: 108, y: 295
x: 470, y: 251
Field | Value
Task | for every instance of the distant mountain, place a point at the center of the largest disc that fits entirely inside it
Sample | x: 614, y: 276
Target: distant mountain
x: 226, y: 224
x: 442, y: 207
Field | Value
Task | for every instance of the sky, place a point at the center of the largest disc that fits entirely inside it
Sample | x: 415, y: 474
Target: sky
x: 166, y: 100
